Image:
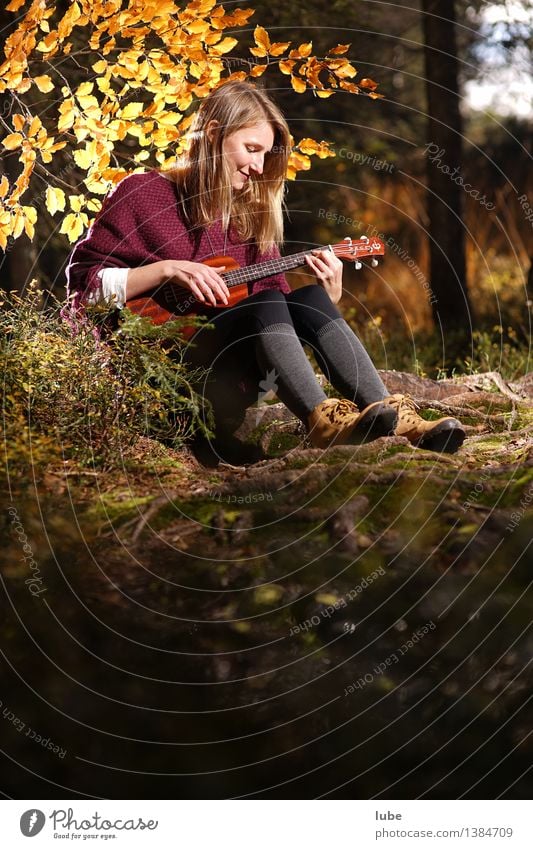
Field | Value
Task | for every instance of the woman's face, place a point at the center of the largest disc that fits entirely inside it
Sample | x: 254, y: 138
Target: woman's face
x: 245, y: 152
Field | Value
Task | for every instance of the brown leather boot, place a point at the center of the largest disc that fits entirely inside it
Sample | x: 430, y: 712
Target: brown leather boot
x: 338, y: 422
x: 444, y: 434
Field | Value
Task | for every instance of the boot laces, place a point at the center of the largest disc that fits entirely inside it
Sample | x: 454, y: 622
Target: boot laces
x: 406, y: 407
x: 341, y: 411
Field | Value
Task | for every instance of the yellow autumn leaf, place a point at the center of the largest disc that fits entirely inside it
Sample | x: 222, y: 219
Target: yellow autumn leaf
x: 12, y: 141
x: 286, y: 66
x: 18, y: 223
x: 23, y: 86
x: 54, y: 200
x: 35, y: 126
x: 299, y: 162
x: 298, y: 84
x: 261, y: 37
x: 48, y: 43
x: 4, y: 186
x: 198, y: 27
x: 104, y: 85
x: 89, y: 104
x: 76, y: 202
x: 67, y: 112
x: 83, y: 158
x: 224, y: 46
x: 44, y: 83
x: 279, y: 47
x: 30, y: 218
x: 84, y: 89
x: 94, y: 204
x: 73, y: 226
x: 15, y: 5
x: 132, y: 110
x: 240, y: 16
x: 323, y: 94
x: 262, y: 40
x: 18, y: 121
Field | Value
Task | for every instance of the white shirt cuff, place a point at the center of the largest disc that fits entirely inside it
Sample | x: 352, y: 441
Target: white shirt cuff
x: 112, y: 288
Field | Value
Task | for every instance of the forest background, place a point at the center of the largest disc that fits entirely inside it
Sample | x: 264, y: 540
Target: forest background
x: 447, y: 184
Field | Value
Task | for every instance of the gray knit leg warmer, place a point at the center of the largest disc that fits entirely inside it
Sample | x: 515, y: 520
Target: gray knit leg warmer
x: 347, y: 365
x: 287, y: 370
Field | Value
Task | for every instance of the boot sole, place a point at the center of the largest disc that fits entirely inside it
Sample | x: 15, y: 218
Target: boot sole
x: 380, y: 420
x: 446, y: 437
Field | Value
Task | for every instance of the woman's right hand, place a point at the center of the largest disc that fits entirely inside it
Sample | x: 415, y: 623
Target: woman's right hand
x: 203, y: 281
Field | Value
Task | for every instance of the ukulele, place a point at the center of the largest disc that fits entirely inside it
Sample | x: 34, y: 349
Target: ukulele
x: 170, y: 301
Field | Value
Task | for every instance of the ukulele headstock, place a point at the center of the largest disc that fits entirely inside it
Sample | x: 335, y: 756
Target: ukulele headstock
x: 357, y: 249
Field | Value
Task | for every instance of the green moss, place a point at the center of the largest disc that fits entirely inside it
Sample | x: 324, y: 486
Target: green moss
x: 114, y: 509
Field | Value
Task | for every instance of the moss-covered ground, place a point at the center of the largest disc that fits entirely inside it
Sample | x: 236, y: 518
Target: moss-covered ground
x: 355, y: 622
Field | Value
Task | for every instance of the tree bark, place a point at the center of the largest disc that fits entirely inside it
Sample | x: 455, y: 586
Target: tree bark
x: 451, y: 307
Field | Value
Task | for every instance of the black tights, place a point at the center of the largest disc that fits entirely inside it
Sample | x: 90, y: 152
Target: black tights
x: 240, y: 371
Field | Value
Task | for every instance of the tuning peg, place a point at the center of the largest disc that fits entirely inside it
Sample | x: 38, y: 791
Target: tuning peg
x: 358, y: 265
x: 374, y: 263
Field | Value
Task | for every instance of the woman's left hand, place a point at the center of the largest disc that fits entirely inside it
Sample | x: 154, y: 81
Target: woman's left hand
x: 328, y: 271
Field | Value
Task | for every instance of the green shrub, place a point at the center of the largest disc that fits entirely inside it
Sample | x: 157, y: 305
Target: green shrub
x: 82, y: 394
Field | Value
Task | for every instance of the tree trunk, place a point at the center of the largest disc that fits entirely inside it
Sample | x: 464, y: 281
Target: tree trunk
x: 451, y: 307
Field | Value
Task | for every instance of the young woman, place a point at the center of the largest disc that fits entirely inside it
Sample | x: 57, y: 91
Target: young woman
x: 225, y: 197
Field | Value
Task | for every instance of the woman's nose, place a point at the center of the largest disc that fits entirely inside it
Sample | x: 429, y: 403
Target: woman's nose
x: 257, y: 163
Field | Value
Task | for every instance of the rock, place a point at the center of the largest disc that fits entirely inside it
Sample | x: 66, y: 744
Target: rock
x: 524, y: 386
x: 420, y: 387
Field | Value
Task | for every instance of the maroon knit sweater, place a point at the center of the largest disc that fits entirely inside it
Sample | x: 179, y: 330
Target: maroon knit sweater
x: 140, y: 222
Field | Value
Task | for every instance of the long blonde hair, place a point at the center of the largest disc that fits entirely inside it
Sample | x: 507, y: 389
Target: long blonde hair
x: 203, y: 178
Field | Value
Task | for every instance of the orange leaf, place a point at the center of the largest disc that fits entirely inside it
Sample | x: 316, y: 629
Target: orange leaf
x: 305, y: 49
x: 258, y: 70
x: 286, y: 66
x: 279, y: 47
x: 12, y: 141
x: 308, y: 146
x: 35, y: 126
x: 352, y: 87
x: 370, y: 84
x: 298, y: 85
x: 339, y: 49
x: 44, y: 83
x: 261, y: 38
